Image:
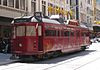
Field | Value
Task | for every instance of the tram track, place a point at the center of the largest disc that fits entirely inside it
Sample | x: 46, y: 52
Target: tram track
x: 87, y: 63
x: 71, y: 60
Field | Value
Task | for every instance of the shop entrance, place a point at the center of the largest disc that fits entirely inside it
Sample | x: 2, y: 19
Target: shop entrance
x: 5, y: 38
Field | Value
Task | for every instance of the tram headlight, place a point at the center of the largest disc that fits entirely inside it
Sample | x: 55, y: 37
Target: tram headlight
x: 20, y: 45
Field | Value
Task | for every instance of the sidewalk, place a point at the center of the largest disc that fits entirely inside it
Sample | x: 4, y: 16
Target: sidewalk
x: 4, y: 58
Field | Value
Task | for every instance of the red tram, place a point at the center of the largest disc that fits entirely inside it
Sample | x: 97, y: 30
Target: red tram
x: 37, y: 37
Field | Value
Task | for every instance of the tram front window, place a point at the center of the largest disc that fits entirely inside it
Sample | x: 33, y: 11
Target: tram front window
x: 26, y: 30
x: 30, y: 31
x: 20, y: 30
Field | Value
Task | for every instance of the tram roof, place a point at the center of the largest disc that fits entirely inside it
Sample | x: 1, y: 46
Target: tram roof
x: 33, y: 19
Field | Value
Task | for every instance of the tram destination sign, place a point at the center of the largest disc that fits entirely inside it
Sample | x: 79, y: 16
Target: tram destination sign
x: 38, y: 16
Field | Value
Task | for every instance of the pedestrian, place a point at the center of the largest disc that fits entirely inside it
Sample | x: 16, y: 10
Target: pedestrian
x: 0, y: 45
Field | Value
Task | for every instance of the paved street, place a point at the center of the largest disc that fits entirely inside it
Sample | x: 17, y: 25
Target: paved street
x: 86, y: 60
x: 4, y: 59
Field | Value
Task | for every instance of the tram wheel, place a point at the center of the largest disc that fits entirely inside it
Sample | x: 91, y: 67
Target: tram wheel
x: 83, y: 48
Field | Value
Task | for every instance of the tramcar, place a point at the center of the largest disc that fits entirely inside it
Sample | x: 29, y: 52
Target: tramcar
x: 39, y: 37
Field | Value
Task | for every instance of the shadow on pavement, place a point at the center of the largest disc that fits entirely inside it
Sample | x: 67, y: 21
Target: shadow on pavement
x: 67, y: 57
x: 5, y: 59
x: 7, y: 63
x: 63, y: 57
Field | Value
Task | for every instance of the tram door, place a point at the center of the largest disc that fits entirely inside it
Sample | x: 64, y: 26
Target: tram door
x: 77, y: 38
x: 40, y: 38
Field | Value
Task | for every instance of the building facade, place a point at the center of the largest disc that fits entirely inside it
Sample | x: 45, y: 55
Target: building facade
x: 49, y: 7
x: 96, y: 26
x: 98, y: 12
x: 74, y: 7
x: 10, y: 9
x: 81, y: 10
x: 86, y: 8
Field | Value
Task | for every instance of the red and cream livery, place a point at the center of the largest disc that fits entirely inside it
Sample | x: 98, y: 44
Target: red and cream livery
x: 35, y: 36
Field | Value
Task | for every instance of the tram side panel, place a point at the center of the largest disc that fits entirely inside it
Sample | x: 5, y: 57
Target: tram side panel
x: 65, y: 42
x: 51, y: 40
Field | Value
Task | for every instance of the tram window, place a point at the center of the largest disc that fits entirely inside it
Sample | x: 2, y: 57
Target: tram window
x: 13, y: 32
x: 47, y: 33
x: 83, y: 34
x: 77, y: 34
x: 30, y: 31
x: 72, y: 33
x: 20, y: 30
x: 53, y: 32
x: 57, y: 33
x: 66, y: 33
x: 87, y: 34
x: 39, y: 31
x: 62, y: 33
x: 50, y: 32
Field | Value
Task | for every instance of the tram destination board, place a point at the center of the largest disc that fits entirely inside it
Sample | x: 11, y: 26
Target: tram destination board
x: 21, y: 20
x: 38, y: 16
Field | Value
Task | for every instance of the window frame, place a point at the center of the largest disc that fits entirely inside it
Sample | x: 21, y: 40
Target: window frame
x: 5, y: 2
x: 20, y: 31
x: 51, y: 33
x: 17, y: 3
x: 11, y: 3
x: 22, y: 4
x: 32, y: 31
